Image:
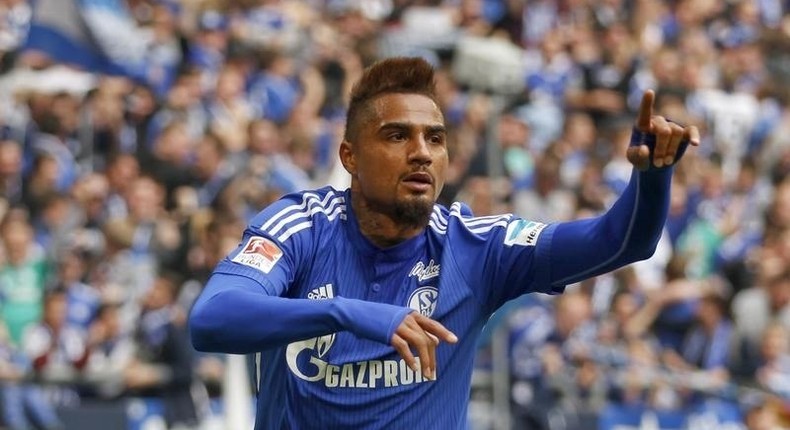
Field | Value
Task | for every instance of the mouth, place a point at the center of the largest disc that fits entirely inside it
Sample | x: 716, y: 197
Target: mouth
x: 418, y: 181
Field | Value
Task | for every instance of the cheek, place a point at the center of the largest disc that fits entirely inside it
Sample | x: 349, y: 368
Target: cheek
x: 440, y: 162
x: 375, y: 171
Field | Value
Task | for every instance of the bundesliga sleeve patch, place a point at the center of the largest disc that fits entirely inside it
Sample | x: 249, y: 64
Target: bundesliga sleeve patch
x: 523, y: 232
x: 259, y: 253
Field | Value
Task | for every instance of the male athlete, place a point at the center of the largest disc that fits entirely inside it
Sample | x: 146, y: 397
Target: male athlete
x: 366, y: 304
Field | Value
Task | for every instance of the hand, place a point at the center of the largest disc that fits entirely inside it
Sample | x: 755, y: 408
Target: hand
x: 668, y: 136
x: 553, y: 362
x: 421, y: 334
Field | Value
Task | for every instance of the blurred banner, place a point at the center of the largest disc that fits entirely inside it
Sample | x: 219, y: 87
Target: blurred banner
x: 94, y: 35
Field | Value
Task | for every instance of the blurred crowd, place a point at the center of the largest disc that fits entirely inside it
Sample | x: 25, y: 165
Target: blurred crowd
x: 118, y: 195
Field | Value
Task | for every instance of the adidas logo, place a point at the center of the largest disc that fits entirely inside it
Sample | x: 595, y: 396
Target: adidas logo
x: 321, y: 293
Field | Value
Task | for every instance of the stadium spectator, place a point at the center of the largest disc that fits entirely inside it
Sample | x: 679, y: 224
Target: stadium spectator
x: 111, y: 351
x: 22, y: 402
x: 23, y: 276
x: 773, y: 372
x: 164, y: 361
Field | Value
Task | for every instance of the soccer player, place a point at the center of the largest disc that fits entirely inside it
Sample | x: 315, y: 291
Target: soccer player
x: 365, y: 305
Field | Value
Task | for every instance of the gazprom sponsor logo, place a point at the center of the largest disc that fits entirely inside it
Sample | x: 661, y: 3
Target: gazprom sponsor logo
x: 360, y: 374
x: 307, y: 359
x: 523, y: 232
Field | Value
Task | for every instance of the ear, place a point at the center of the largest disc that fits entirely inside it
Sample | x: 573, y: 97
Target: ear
x: 347, y: 157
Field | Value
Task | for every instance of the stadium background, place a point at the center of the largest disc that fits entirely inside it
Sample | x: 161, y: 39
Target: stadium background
x: 137, y: 136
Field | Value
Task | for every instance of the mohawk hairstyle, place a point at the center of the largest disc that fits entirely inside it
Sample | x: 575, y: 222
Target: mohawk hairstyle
x: 404, y: 75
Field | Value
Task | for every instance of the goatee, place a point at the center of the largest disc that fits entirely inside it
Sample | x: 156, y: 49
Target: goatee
x: 413, y: 212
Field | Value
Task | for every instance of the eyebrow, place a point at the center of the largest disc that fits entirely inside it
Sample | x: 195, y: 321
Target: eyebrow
x: 432, y: 129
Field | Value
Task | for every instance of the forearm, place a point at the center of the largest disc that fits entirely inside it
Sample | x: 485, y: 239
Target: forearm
x: 629, y: 231
x: 238, y: 318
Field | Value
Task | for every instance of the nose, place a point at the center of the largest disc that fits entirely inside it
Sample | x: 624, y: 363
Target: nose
x: 420, y: 151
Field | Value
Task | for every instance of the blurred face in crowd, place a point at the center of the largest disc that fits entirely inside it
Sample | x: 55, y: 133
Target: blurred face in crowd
x: 145, y: 200
x: 140, y: 103
x: 55, y: 310
x: 779, y: 292
x: 710, y: 312
x: 580, y: 131
x: 163, y: 22
x: 713, y: 181
x: 122, y: 172
x: 91, y: 192
x: 779, y: 211
x: 10, y: 159
x: 775, y: 342
x: 174, y: 145
x: 572, y: 311
x: 208, y: 157
x: 624, y: 307
x: 230, y: 85
x: 264, y: 137
x: 72, y: 268
x: 477, y: 194
x: 186, y: 92
x: 46, y: 171
x: 666, y: 66
x: 399, y: 160
x: 56, y: 211
x: 513, y: 131
x: 160, y: 294
x: 17, y: 237
x: 547, y: 174
x: 66, y: 109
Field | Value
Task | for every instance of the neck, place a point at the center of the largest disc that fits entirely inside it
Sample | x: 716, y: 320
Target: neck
x: 381, y: 228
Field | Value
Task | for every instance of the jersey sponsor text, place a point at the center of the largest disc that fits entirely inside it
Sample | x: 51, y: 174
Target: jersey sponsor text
x: 523, y: 232
x: 423, y: 272
x: 360, y: 374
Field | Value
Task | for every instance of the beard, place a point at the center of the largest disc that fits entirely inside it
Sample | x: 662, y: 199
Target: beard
x: 415, y: 212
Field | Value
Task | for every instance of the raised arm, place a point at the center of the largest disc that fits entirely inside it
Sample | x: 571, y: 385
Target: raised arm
x: 631, y: 228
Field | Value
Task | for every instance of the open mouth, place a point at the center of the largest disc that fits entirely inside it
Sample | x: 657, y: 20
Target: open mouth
x: 420, y: 181
x: 419, y: 178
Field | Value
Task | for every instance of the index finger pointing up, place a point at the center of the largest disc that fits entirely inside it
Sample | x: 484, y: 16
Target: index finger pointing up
x: 645, y: 111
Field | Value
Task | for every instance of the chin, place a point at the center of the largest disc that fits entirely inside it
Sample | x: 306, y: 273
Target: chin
x: 415, y: 210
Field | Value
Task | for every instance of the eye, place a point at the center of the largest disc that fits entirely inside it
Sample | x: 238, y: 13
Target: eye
x: 397, y: 136
x: 437, y: 139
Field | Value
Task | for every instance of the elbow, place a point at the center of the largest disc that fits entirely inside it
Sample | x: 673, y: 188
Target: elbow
x: 644, y: 253
x: 643, y: 249
x: 204, y: 328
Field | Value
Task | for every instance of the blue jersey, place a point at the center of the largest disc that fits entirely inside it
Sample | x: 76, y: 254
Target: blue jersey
x: 319, y: 302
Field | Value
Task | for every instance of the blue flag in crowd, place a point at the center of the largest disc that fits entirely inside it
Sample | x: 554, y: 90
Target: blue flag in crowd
x: 94, y: 35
